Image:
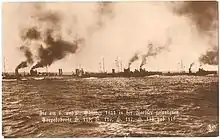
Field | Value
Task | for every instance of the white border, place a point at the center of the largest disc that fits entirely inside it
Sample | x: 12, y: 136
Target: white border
x: 1, y: 56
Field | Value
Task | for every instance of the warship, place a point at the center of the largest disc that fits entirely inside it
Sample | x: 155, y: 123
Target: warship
x: 80, y: 73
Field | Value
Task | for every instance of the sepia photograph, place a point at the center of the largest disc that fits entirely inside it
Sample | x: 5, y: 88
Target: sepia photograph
x: 110, y: 69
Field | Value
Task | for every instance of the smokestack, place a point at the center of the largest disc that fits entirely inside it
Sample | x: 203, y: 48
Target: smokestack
x: 60, y: 72
x: 190, y: 67
x: 113, y: 71
x: 141, y: 67
x: 153, y: 51
x: 16, y: 72
x: 129, y: 66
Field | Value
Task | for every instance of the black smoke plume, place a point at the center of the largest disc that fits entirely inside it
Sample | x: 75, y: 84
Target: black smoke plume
x: 190, y: 67
x: 29, y: 59
x: 28, y: 54
x: 23, y: 64
x: 133, y: 59
x: 31, y: 34
x: 152, y: 51
x: 47, y: 32
x: 55, y: 50
x: 210, y: 57
x: 204, y: 14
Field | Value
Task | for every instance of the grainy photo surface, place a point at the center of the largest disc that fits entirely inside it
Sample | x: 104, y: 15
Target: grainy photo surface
x: 110, y: 69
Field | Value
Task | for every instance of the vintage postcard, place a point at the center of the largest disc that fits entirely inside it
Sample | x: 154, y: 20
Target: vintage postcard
x: 110, y: 69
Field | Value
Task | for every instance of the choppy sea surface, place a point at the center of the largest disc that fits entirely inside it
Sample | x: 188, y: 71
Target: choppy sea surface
x: 194, y: 101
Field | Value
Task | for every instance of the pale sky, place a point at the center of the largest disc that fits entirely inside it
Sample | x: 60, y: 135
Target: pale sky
x: 128, y: 29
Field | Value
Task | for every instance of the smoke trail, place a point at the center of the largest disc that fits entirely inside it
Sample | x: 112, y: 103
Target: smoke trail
x: 56, y: 50
x: 29, y: 59
x: 23, y: 64
x: 152, y: 51
x: 133, y: 59
x: 202, y: 13
x: 49, y: 16
x: 27, y: 54
x: 47, y: 31
x: 190, y: 67
x: 210, y: 57
x: 31, y: 34
x: 205, y: 16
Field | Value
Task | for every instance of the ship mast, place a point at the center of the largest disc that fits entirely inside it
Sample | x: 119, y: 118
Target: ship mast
x: 100, y: 66
x: 103, y: 64
x: 121, y: 66
x: 46, y: 70
x: 118, y: 64
x: 4, y: 65
x: 182, y: 66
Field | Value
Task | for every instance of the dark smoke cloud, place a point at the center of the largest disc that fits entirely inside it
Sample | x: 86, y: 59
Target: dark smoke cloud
x: 31, y: 34
x: 23, y: 64
x: 210, y: 57
x: 56, y: 50
x: 27, y: 54
x: 133, y: 59
x: 204, y: 15
x: 152, y: 51
x: 190, y: 66
x: 29, y: 59
x: 47, y: 32
x: 47, y: 24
